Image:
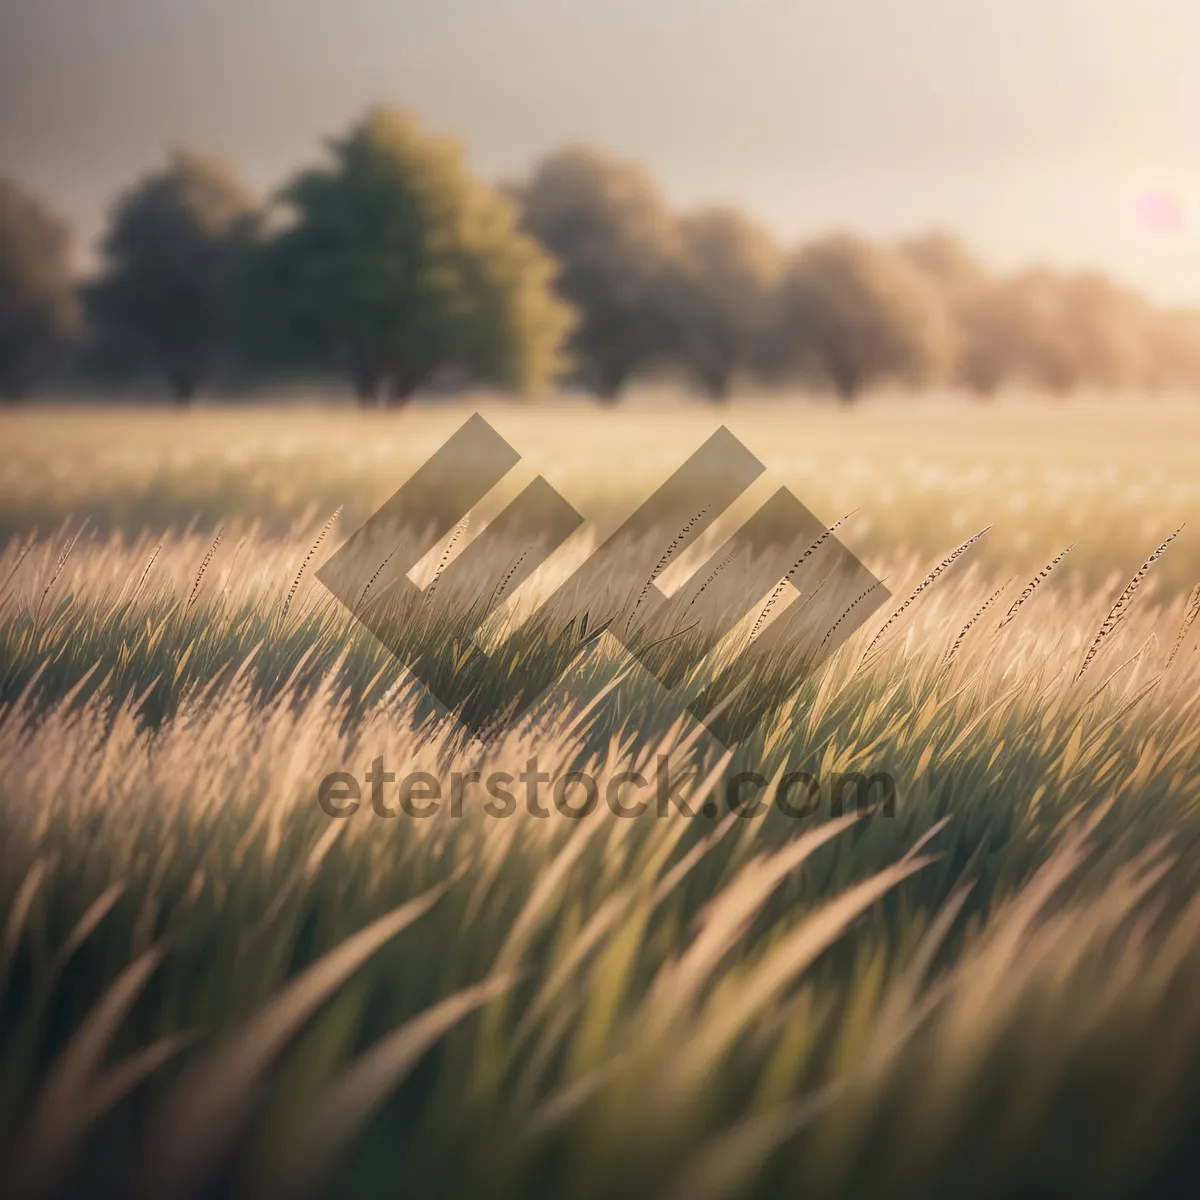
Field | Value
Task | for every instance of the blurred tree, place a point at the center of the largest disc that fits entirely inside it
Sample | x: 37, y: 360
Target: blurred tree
x: 1108, y: 331
x: 729, y: 287
x: 1055, y: 332
x: 166, y: 296
x: 964, y: 285
x: 857, y: 313
x: 621, y: 257
x: 1040, y: 328
x: 949, y: 264
x: 39, y: 313
x: 399, y: 263
x: 1021, y: 334
x: 1173, y: 338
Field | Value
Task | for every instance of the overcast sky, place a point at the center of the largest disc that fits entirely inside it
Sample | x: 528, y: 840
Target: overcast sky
x: 1035, y: 128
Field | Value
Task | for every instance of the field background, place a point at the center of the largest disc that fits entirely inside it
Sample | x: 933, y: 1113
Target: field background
x: 923, y: 473
x: 206, y: 981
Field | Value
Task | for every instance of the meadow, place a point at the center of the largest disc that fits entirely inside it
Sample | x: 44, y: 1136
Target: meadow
x: 211, y: 987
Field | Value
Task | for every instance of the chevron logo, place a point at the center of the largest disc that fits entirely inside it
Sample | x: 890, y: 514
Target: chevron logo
x: 809, y: 591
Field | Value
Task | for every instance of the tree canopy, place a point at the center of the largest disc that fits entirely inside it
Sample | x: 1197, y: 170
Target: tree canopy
x: 620, y: 254
x: 397, y: 262
x: 731, y: 277
x: 38, y: 310
x: 858, y: 312
x: 392, y: 263
x: 166, y: 297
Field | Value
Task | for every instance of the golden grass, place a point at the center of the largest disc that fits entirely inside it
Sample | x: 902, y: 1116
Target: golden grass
x: 205, y: 981
x: 924, y: 473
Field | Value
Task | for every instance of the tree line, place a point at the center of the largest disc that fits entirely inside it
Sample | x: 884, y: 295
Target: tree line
x: 394, y: 266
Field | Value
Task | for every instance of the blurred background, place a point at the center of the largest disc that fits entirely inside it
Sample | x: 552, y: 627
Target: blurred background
x: 939, y: 263
x: 388, y: 198
x: 935, y: 263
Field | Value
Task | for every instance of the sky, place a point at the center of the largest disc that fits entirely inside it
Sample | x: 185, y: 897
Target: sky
x: 1064, y: 132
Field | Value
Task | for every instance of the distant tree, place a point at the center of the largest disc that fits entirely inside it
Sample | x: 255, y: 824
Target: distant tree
x: 166, y: 296
x: 858, y: 313
x: 1108, y: 329
x: 620, y: 253
x: 398, y: 263
x: 728, y: 288
x: 1173, y: 337
x: 1021, y: 333
x: 950, y: 264
x: 964, y: 284
x: 38, y: 309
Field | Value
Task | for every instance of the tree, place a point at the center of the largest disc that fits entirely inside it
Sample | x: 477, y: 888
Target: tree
x: 1042, y: 328
x: 398, y: 262
x: 1021, y: 334
x: 1107, y: 328
x: 948, y: 263
x: 729, y: 284
x: 858, y: 313
x: 620, y: 254
x: 38, y: 309
x: 964, y: 285
x: 166, y: 296
x: 1174, y: 348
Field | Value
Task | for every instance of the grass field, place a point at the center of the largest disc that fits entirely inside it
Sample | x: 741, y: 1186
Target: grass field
x: 1109, y: 475
x: 209, y: 986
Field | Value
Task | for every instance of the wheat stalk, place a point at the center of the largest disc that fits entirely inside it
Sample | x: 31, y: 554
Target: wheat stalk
x: 308, y: 558
x: 378, y: 572
x: 1119, y: 609
x: 58, y: 566
x: 1189, y: 617
x: 665, y: 558
x: 1032, y: 585
x: 802, y: 605
x: 782, y: 584
x: 204, y: 567
x: 499, y: 592
x: 716, y: 571
x: 459, y: 530
x: 946, y: 563
x: 146, y: 572
x: 958, y: 641
x: 850, y: 608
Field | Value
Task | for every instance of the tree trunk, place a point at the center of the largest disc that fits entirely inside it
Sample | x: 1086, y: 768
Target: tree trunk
x: 183, y: 385
x: 717, y: 380
x: 399, y: 391
x: 611, y: 377
x: 403, y: 381
x: 367, y: 378
x: 847, y: 380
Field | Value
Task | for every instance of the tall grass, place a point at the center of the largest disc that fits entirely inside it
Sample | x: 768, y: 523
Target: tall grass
x: 210, y: 987
x: 209, y: 983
